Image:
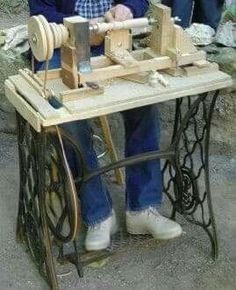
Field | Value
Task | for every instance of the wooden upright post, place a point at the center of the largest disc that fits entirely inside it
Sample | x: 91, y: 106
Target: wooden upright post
x: 111, y: 147
x: 161, y: 38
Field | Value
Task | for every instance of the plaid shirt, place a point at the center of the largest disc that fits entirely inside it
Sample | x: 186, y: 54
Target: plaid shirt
x: 92, y: 8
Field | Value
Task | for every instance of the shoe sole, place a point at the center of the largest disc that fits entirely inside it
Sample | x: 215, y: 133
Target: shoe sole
x: 104, y: 245
x: 162, y: 237
x: 98, y: 247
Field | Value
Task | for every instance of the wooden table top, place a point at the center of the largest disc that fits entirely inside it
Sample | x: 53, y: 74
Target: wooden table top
x: 119, y: 95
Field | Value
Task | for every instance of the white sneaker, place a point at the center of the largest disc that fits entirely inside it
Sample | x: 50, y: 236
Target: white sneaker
x: 99, y: 236
x: 149, y: 221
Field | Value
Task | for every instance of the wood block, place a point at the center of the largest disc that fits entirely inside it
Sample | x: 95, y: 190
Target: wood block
x: 161, y: 37
x: 32, y: 82
x: 181, y: 41
x: 22, y: 106
x: 118, y: 39
x: 69, y: 71
x: 141, y: 78
x: 175, y: 72
x: 168, y: 36
x: 70, y: 23
x: 189, y: 58
x: 173, y: 54
x: 111, y: 147
x: 33, y: 97
x: 122, y: 57
x: 68, y: 55
x: 73, y: 95
x: 79, y: 40
x: 177, y: 37
x: 52, y: 74
x: 194, y: 70
x: 69, y: 78
x: 149, y: 54
x: 201, y: 63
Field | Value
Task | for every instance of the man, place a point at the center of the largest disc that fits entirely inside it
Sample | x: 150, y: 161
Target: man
x: 206, y: 12
x: 143, y: 181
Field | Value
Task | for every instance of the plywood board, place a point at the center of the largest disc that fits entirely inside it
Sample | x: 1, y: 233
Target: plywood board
x: 119, y: 95
x: 123, y: 95
x: 194, y: 70
x: 21, y: 106
x: 76, y: 94
x: 33, y: 97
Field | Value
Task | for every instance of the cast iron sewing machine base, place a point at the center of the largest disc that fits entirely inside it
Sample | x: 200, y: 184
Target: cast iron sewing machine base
x: 45, y: 216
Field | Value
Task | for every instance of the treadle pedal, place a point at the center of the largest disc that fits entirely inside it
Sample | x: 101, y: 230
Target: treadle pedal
x: 120, y: 241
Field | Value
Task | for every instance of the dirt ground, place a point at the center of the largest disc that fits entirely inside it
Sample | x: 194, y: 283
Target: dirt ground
x: 184, y: 263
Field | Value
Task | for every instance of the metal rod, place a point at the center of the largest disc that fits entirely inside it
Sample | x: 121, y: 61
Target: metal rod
x: 129, y: 161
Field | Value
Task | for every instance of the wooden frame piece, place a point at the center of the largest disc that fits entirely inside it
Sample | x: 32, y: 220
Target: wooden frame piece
x: 25, y: 109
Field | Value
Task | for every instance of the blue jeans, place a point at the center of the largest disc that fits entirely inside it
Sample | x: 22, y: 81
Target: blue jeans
x: 205, y: 11
x: 143, y: 181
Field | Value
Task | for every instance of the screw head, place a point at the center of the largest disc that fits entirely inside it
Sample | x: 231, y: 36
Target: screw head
x: 34, y: 39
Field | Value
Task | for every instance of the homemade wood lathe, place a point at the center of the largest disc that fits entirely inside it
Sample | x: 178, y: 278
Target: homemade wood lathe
x: 171, y: 53
x: 170, y: 49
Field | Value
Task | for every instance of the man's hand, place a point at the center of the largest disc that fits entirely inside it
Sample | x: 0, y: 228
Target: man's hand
x: 118, y: 13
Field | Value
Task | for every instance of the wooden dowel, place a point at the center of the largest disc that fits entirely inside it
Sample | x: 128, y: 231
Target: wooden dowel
x: 127, y: 24
x: 111, y: 147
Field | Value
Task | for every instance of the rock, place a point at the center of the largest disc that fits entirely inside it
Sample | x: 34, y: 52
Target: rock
x: 16, y: 39
x: 2, y: 37
x: 10, y: 64
x: 230, y: 12
x: 201, y: 34
x: 224, y: 56
x: 226, y: 34
x: 13, y: 6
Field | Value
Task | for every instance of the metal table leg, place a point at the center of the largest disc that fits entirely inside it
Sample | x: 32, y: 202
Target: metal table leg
x: 31, y: 224
x: 186, y: 176
x: 48, y: 211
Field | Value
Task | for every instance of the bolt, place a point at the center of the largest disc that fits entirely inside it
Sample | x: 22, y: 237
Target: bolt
x: 34, y: 39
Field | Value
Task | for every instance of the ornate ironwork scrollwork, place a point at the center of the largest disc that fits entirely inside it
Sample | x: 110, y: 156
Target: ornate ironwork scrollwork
x: 46, y: 210
x: 29, y: 216
x: 186, y: 176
